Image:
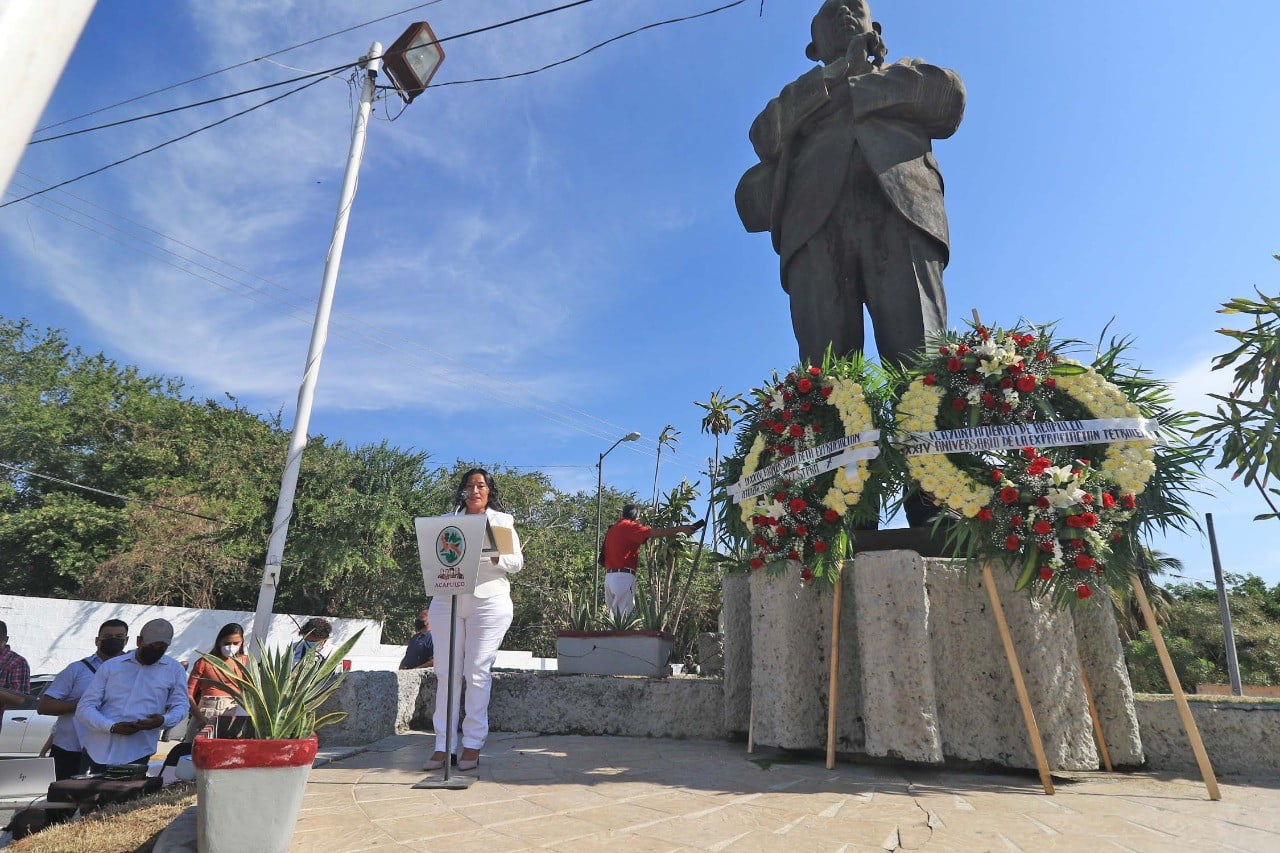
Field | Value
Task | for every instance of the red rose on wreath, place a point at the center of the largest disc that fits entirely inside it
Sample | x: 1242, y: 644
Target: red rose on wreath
x: 826, y: 392
x: 779, y: 428
x: 1107, y: 501
x: 806, y: 574
x: 1050, y: 382
x: 1009, y: 495
x: 815, y: 371
x: 1015, y: 369
x: 1013, y: 543
x: 1045, y: 573
x: 1083, y: 591
x: 817, y: 428
x: 988, y: 401
x: 796, y: 430
x: 959, y: 404
x: 786, y: 449
x: 1088, y: 519
x: 786, y: 415
x: 1026, y: 384
x: 1084, y: 561
x: 1006, y: 383
x: 962, y: 349
x: 1043, y: 503
x: 997, y: 475
x: 804, y: 386
x: 985, y: 514
x: 804, y: 407
x: 1028, y: 452
x: 798, y: 506
x: 780, y: 496
x: 756, y: 562
x: 975, y: 379
x: 820, y: 547
x: 801, y: 530
x: 1016, y: 521
x: 831, y: 516
x: 792, y: 555
x: 1042, y: 527
x: 944, y: 350
x: 1047, y: 547
x: 930, y: 379
x: 954, y: 365
x: 1127, y: 501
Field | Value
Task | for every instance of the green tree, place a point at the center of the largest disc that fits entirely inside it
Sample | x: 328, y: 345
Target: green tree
x: 1194, y: 628
x: 1246, y: 420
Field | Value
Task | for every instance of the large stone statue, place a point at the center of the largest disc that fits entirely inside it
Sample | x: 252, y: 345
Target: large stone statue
x: 848, y: 187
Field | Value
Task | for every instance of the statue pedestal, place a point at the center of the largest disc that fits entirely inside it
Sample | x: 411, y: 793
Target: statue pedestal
x: 923, y: 675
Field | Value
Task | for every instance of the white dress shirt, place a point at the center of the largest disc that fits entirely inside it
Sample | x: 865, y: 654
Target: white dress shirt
x: 69, y: 686
x: 492, y: 580
x: 125, y: 690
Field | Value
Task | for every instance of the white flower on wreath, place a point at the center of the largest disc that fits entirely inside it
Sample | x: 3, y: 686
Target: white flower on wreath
x: 1066, y: 497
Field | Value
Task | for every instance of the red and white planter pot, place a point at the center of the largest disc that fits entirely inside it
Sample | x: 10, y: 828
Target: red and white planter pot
x: 249, y: 792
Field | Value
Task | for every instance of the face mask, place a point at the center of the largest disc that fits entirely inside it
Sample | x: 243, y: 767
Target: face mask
x: 230, y: 649
x: 110, y: 647
x: 147, y: 655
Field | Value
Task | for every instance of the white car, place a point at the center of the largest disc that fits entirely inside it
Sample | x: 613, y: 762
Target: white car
x: 24, y: 732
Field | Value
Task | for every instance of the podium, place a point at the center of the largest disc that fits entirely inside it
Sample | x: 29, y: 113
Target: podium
x: 450, y: 548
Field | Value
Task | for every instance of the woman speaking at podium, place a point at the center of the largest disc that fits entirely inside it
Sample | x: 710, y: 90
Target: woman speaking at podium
x: 483, y: 619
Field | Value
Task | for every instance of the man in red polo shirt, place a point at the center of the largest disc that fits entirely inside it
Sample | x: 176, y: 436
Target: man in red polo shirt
x: 621, y: 554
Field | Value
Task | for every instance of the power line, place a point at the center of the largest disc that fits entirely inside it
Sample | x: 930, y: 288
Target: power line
x: 208, y: 74
x: 163, y: 144
x: 96, y: 491
x: 591, y: 49
x: 203, y: 103
x: 323, y: 72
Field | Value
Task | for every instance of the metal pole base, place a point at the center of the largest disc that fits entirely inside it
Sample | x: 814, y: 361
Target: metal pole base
x: 452, y: 783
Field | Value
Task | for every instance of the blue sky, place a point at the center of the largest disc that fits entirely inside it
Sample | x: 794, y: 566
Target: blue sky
x: 537, y: 266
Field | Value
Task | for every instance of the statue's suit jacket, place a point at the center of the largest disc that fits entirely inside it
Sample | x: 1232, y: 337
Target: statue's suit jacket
x: 891, y: 114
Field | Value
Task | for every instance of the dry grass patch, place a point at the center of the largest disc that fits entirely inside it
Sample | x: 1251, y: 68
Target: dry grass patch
x: 121, y: 828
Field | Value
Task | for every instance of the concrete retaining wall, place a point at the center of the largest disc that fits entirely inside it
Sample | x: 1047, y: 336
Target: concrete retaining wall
x: 1240, y: 737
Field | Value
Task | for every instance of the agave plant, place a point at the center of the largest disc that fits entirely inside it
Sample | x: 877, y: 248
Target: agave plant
x: 581, y: 614
x: 650, y: 613
x: 618, y: 620
x: 283, y: 698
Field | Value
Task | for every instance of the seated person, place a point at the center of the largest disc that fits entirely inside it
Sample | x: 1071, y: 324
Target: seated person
x: 131, y: 698
x: 63, y: 695
x: 15, y: 675
x: 420, y: 652
x: 314, y: 633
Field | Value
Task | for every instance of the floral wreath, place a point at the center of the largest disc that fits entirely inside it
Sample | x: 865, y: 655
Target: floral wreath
x: 1052, y: 513
x: 793, y: 516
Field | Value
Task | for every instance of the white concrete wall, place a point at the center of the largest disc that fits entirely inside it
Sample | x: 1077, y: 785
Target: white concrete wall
x: 52, y: 632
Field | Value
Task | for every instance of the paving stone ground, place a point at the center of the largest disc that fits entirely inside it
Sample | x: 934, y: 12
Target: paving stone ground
x: 629, y: 794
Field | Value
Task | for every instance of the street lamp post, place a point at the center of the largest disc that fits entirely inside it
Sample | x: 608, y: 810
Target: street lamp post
x: 405, y: 71
x: 631, y: 436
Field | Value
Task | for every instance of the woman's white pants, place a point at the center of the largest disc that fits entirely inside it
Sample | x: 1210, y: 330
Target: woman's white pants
x: 481, y: 625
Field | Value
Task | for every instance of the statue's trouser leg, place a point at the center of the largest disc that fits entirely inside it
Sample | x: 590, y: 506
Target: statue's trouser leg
x: 902, y: 283
x: 824, y: 309
x: 902, y: 269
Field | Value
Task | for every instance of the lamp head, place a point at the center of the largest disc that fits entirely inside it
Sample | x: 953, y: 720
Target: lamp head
x: 631, y: 436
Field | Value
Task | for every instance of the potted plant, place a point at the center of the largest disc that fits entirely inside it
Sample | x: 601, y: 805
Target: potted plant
x: 249, y: 790
x: 613, y: 642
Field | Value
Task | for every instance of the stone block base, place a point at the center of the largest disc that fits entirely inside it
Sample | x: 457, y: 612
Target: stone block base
x: 923, y: 673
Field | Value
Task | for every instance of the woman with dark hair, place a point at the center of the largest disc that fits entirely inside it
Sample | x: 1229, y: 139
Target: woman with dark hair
x: 483, y: 619
x: 206, y: 686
